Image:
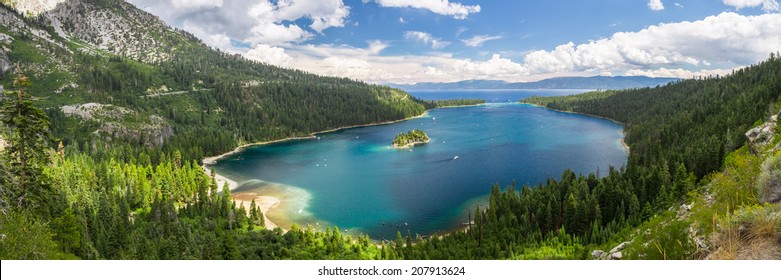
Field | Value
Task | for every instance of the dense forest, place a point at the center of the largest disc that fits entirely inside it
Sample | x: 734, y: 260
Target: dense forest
x: 223, y: 114
x: 107, y: 203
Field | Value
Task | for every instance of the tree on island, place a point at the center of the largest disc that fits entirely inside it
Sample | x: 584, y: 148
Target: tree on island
x: 410, y: 138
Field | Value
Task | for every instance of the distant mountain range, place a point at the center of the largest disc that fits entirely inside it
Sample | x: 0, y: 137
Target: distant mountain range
x: 596, y: 82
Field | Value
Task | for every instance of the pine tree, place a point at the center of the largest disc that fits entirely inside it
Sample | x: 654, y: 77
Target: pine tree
x: 28, y: 140
x: 253, y: 215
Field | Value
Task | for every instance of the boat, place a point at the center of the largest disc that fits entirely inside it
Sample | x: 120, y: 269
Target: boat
x: 455, y: 157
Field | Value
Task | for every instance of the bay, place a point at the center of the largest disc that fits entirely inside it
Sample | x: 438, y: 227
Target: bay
x: 355, y: 180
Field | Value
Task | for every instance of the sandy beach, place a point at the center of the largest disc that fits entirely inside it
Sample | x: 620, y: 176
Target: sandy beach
x: 623, y: 143
x: 266, y: 204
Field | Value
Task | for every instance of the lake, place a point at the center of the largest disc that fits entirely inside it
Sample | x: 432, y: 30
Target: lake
x: 353, y: 179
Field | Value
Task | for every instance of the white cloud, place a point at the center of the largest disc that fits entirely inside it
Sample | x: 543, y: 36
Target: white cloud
x: 217, y: 40
x: 724, y: 39
x: 268, y: 54
x: 376, y: 46
x: 270, y: 19
x: 478, y: 40
x: 442, y: 7
x: 323, y: 13
x: 252, y: 21
x: 494, y: 67
x: 433, y: 72
x: 677, y: 73
x: 196, y: 4
x: 767, y: 5
x: 655, y: 5
x: 679, y: 5
x: 461, y: 30
x: 426, y: 38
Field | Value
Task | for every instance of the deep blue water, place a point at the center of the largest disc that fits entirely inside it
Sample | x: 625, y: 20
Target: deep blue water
x: 356, y: 181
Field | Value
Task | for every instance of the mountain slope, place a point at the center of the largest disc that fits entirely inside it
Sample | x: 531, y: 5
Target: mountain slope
x: 105, y: 68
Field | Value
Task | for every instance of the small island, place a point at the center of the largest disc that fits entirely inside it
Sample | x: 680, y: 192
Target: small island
x: 410, y: 138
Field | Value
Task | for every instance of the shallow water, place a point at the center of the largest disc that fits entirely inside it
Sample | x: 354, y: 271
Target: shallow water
x: 354, y: 179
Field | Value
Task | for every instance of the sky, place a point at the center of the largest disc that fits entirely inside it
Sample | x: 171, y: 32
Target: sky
x: 412, y: 41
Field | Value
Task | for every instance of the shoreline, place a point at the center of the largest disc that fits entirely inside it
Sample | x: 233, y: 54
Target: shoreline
x: 267, y: 202
x: 410, y: 145
x: 623, y: 132
x: 213, y: 159
x: 460, y: 106
x: 572, y: 112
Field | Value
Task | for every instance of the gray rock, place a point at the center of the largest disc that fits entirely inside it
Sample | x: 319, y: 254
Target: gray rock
x: 761, y: 135
x: 771, y: 191
x: 620, y: 247
x: 616, y: 256
x: 5, y: 63
x: 598, y: 254
x: 753, y: 133
x: 684, y: 210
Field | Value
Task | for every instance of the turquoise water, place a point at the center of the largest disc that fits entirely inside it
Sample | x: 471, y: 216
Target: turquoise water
x: 356, y: 181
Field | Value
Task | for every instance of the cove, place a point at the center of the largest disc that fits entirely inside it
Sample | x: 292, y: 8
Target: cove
x: 355, y: 180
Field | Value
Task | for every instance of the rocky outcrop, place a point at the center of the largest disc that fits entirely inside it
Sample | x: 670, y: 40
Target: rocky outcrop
x: 770, y: 181
x: 763, y: 134
x: 152, y: 134
x: 119, y: 123
x: 92, y: 111
x: 113, y: 26
x: 34, y: 7
x: 599, y: 255
x: 5, y: 63
x: 121, y: 29
x: 615, y: 254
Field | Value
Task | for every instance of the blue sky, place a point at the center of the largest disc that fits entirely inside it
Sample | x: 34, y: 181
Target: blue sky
x: 406, y: 41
